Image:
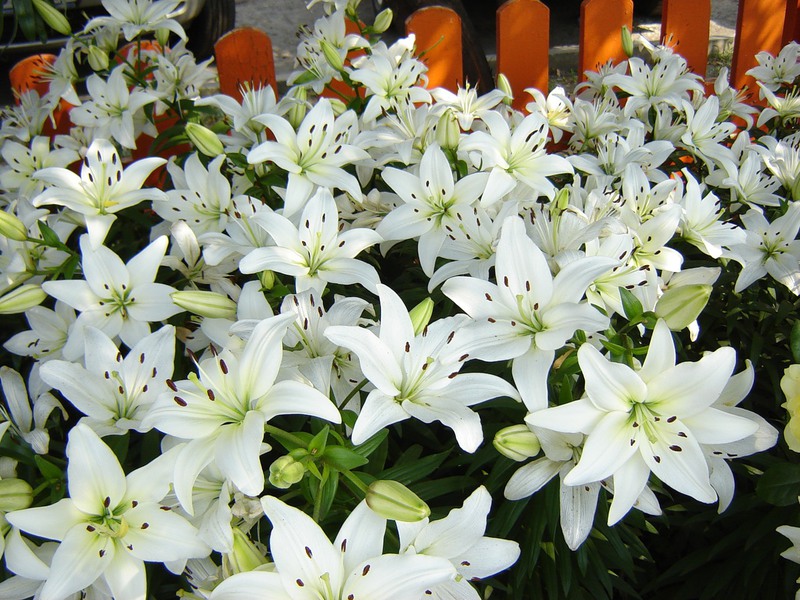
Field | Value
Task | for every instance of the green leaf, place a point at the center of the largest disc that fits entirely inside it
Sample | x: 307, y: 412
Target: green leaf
x: 48, y: 470
x: 372, y: 443
x: 630, y: 304
x: 415, y: 469
x: 794, y: 341
x: 27, y: 19
x: 780, y: 484
x: 317, y: 445
x: 49, y: 236
x: 343, y: 459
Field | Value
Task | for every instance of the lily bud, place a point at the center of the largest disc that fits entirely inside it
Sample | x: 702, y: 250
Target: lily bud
x: 12, y: 228
x: 299, y: 107
x: 285, y: 472
x: 338, y: 107
x: 393, y: 500
x: 54, y: 18
x: 790, y: 386
x: 205, y: 140
x: 517, y: 442
x: 504, y: 85
x: 267, y: 279
x: 205, y: 304
x: 21, y: 299
x: 98, y: 58
x: 448, y: 133
x: 796, y: 189
x: 15, y: 494
x: 383, y: 20
x: 627, y: 41
x: 162, y: 36
x: 421, y: 315
x: 680, y: 306
x: 332, y: 55
x: 562, y: 199
x: 245, y: 556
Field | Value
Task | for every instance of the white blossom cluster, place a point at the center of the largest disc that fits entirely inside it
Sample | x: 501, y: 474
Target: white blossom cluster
x: 267, y: 285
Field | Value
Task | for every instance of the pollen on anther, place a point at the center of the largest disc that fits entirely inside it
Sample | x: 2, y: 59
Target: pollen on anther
x: 309, y: 553
x: 145, y: 525
x: 180, y: 401
x: 676, y: 448
x: 365, y: 571
x: 344, y: 545
x: 300, y: 583
x: 223, y: 367
x: 107, y: 502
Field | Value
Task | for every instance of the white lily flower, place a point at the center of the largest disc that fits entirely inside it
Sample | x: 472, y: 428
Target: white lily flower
x: 115, y: 392
x: 139, y: 16
x: 223, y: 412
x: 705, y: 135
x: 202, y: 197
x: 653, y: 419
x: 431, y: 203
x: 113, y: 111
x: 110, y: 524
x: 49, y: 330
x: 27, y: 420
x: 23, y: 161
x: 392, y: 77
x: 313, y: 156
x: 316, y: 253
x: 101, y: 190
x: 701, y: 223
x: 307, y: 565
x: 466, y: 105
x: 516, y: 158
x: 530, y: 314
x: 418, y: 375
x: 770, y: 248
x: 775, y: 71
x: 459, y: 537
x: 117, y: 298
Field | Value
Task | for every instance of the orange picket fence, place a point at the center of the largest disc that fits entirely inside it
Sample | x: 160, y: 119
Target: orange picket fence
x: 523, y: 39
x: 244, y: 55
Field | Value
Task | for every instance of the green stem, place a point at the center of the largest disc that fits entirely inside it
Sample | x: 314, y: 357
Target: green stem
x: 285, y: 435
x: 355, y: 480
x: 354, y: 391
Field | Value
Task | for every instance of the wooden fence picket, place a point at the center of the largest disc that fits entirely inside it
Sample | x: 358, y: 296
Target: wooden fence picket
x: 244, y: 57
x: 685, y: 28
x: 601, y: 32
x: 523, y: 46
x: 758, y: 27
x: 438, y: 39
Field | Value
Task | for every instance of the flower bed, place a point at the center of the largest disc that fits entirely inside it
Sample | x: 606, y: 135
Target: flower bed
x: 371, y: 340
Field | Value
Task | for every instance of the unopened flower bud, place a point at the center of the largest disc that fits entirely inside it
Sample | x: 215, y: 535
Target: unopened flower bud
x: 393, y: 500
x: 517, y: 442
x: 332, y: 55
x: 12, y: 228
x: 338, y: 107
x: 245, y: 556
x: 504, y: 85
x: 421, y: 315
x: 15, y: 494
x: 21, y: 299
x: 205, y: 140
x: 298, y: 109
x: 285, y: 472
x: 162, y: 36
x: 267, y: 279
x: 448, y: 133
x: 54, y: 18
x: 680, y: 306
x: 627, y: 41
x: 562, y: 199
x: 383, y: 20
x: 205, y: 304
x: 790, y: 386
x: 98, y: 58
